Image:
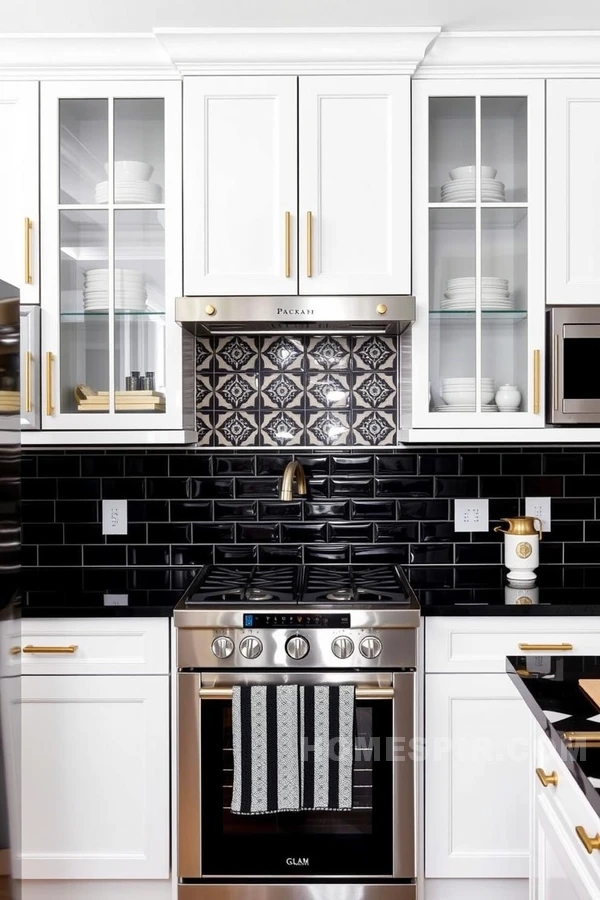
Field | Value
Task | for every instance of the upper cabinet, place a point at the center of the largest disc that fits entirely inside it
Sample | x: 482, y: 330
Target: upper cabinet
x: 478, y: 267
x: 254, y: 145
x: 573, y: 197
x: 19, y: 178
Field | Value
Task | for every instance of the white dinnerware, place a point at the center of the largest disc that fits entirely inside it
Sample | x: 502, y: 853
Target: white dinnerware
x: 508, y: 398
x: 133, y: 170
x: 471, y: 171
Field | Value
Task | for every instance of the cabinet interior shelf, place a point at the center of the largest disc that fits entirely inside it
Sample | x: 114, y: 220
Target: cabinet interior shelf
x: 118, y: 312
x: 492, y: 315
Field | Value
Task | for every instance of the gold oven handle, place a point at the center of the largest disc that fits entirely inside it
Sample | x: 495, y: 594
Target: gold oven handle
x: 27, y: 236
x: 563, y: 648
x: 536, y: 382
x: 49, y: 361
x: 361, y: 693
x: 71, y: 648
x: 309, y: 245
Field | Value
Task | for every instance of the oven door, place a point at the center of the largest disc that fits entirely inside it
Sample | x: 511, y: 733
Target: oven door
x: 574, y: 388
x: 373, y: 840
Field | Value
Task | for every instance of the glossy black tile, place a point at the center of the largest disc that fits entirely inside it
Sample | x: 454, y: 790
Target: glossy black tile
x: 103, y: 466
x: 123, y: 488
x: 148, y: 511
x: 396, y: 464
x: 326, y: 553
x: 29, y: 466
x: 460, y: 486
x: 195, y: 555
x: 279, y: 510
x: 145, y: 464
x: 327, y: 509
x: 38, y: 488
x: 581, y: 553
x: 166, y: 488
x: 391, y: 554
x: 551, y: 553
x: 231, y: 465
x: 422, y: 509
x: 432, y: 532
x: 568, y: 531
x: 272, y: 464
x: 257, y: 487
x: 104, y: 556
x: 351, y: 487
x: 317, y: 488
x: 500, y: 486
x: 480, y: 576
x: 78, y: 488
x: 352, y: 465
x: 279, y: 555
x: 58, y: 466
x: 59, y: 556
x: 169, y: 533
x: 193, y: 510
x: 292, y: 533
x: 438, y: 464
x: 76, y: 511
x: 562, y: 463
x: 314, y: 465
x: 148, y: 555
x: 582, y: 485
x: 256, y: 533
x: 81, y: 533
x: 241, y: 555
x: 545, y: 486
x: 205, y: 488
x: 479, y: 554
x: 396, y: 533
x: 480, y: 463
x: 521, y: 463
x: 37, y: 510
x: 137, y: 533
x: 209, y: 533
x: 373, y: 509
x: 50, y: 533
x: 404, y: 487
x: 234, y: 509
x: 29, y: 555
x: 572, y: 509
x: 591, y: 465
x: 357, y: 532
x: 431, y: 554
x: 592, y: 532
x: 503, y: 506
x: 430, y: 577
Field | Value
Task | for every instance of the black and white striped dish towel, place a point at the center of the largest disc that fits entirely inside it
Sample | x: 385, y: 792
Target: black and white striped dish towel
x: 293, y: 748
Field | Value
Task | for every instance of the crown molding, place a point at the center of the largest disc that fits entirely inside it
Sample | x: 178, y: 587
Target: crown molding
x: 513, y: 54
x: 296, y: 51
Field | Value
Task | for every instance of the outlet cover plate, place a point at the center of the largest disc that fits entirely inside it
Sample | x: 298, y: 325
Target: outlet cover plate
x: 540, y: 507
x: 114, y: 517
x: 471, y: 515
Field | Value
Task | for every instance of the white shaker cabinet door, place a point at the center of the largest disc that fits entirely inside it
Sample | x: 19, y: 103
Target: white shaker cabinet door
x: 95, y: 776
x: 557, y: 874
x: 573, y: 191
x: 476, y: 778
x: 240, y: 185
x: 19, y: 187
x: 354, y: 212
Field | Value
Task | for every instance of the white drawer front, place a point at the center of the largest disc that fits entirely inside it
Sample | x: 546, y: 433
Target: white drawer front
x: 102, y: 647
x: 481, y: 644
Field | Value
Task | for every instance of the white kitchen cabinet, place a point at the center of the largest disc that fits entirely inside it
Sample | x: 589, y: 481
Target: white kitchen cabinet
x: 30, y: 367
x: 95, y: 777
x: 111, y: 198
x: 19, y: 183
x: 479, y: 254
x: 240, y: 166
x: 573, y: 197
x: 476, y: 778
x: 354, y: 185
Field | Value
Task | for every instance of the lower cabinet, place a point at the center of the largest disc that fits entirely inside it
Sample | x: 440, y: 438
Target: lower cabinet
x: 558, y: 875
x: 95, y: 776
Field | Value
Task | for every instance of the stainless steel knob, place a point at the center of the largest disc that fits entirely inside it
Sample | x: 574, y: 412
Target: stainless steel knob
x: 222, y: 646
x: 297, y: 647
x: 250, y: 647
x: 370, y: 647
x: 342, y: 647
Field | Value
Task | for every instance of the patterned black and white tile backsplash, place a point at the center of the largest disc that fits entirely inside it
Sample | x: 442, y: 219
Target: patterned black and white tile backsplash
x: 294, y: 391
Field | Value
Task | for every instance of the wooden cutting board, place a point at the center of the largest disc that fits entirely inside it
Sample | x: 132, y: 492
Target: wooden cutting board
x: 591, y: 686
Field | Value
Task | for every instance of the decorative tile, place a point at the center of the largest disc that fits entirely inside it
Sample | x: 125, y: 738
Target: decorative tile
x: 236, y: 429
x: 374, y: 390
x: 329, y: 352
x: 282, y: 428
x: 374, y: 352
x: 328, y: 428
x: 282, y: 390
x: 204, y: 429
x: 236, y: 391
x: 329, y: 390
x: 204, y: 392
x: 204, y: 354
x: 235, y: 353
x: 282, y: 353
x: 375, y: 428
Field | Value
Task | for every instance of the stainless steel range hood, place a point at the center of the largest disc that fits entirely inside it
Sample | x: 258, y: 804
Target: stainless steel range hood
x: 381, y: 314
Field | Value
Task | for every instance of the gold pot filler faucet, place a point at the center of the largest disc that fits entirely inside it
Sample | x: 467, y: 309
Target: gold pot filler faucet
x: 292, y: 469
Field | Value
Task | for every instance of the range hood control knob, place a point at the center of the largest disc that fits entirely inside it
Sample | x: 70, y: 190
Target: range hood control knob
x: 342, y: 647
x: 297, y: 647
x: 210, y: 310
x: 222, y: 646
x: 370, y: 647
x: 250, y: 647
x: 382, y: 309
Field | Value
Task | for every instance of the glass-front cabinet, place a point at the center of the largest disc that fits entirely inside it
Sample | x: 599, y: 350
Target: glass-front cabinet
x: 478, y: 215
x: 111, y: 259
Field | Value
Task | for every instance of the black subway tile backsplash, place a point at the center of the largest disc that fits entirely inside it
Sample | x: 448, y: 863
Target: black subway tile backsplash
x: 188, y: 507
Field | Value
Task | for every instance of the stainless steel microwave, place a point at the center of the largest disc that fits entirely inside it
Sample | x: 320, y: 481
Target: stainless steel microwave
x: 573, y: 388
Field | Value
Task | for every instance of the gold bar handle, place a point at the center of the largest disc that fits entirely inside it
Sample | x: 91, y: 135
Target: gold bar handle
x: 309, y: 245
x: 14, y: 651
x: 288, y: 269
x: 536, y: 382
x: 564, y: 648
x: 582, y: 736
x: 589, y: 843
x: 555, y: 371
x: 361, y: 693
x: 28, y: 228
x: 28, y: 365
x: 49, y: 361
x: 552, y: 778
x: 71, y: 648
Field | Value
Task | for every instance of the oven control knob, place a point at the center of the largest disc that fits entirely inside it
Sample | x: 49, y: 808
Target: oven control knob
x: 250, y: 647
x: 370, y: 647
x: 222, y: 646
x: 297, y: 647
x: 342, y: 647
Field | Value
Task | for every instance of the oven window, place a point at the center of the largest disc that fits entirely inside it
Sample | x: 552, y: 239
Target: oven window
x: 581, y: 357
x: 358, y: 841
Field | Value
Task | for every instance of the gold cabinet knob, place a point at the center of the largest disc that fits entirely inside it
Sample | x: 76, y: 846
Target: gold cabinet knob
x: 588, y: 842
x: 382, y: 309
x: 210, y: 310
x: 552, y: 778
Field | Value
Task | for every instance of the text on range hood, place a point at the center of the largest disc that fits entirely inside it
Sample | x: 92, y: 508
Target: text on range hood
x: 381, y: 314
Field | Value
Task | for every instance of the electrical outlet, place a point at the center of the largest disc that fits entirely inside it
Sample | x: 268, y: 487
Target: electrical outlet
x: 539, y: 507
x: 114, y: 517
x: 471, y: 515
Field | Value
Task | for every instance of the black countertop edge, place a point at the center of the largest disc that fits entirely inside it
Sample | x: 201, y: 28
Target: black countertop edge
x: 580, y: 767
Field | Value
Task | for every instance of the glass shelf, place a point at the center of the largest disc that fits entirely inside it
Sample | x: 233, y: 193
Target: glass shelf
x: 491, y: 315
x: 118, y: 312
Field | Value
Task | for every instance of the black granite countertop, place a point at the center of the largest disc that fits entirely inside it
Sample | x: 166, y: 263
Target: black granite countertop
x: 484, y: 591
x: 60, y: 593
x: 550, y: 687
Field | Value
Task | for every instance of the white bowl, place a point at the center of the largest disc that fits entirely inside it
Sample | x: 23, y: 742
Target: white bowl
x: 131, y: 170
x: 454, y: 398
x: 470, y: 171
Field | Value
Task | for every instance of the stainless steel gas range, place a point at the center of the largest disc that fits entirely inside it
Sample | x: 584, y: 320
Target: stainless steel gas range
x: 319, y: 624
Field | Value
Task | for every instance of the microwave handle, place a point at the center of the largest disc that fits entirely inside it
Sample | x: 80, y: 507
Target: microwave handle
x: 555, y: 370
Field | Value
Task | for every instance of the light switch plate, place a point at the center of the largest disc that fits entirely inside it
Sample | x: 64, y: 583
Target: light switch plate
x: 114, y: 517
x: 540, y: 507
x: 471, y: 515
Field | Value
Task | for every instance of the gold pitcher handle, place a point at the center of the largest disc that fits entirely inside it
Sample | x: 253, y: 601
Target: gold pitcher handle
x: 537, y: 519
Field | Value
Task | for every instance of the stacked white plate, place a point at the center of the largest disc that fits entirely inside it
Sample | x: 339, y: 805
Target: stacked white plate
x: 459, y: 395
x: 130, y: 290
x: 465, y: 408
x: 460, y: 294
x: 462, y: 190
x: 133, y: 192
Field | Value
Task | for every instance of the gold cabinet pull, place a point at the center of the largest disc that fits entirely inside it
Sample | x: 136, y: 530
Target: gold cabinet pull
x: 28, y: 227
x: 28, y: 365
x: 288, y: 269
x: 14, y: 651
x: 589, y: 843
x: 536, y: 382
x: 70, y: 648
x: 49, y: 361
x: 555, y: 372
x: 309, y: 245
x: 552, y: 778
x: 532, y: 647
